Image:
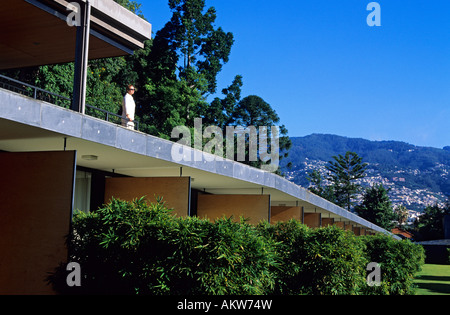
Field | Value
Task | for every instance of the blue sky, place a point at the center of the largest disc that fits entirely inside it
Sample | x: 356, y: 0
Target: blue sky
x: 324, y: 70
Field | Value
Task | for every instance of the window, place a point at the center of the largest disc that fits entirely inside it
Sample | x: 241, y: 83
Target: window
x: 82, y: 200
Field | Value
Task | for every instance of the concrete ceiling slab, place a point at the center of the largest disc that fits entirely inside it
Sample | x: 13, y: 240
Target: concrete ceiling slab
x: 32, y: 36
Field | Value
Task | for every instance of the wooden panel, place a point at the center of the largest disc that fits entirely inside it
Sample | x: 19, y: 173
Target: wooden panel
x: 254, y: 207
x: 175, y: 191
x: 327, y: 221
x: 35, y: 214
x: 284, y: 213
x: 339, y: 224
x: 348, y: 227
x: 312, y: 220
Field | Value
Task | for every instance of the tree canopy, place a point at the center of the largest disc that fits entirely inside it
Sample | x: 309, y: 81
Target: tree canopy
x: 430, y: 225
x: 377, y: 208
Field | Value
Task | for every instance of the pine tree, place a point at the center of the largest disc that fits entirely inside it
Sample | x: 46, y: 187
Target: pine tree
x: 201, y: 48
x: 344, y: 171
x: 187, y: 54
x: 377, y: 208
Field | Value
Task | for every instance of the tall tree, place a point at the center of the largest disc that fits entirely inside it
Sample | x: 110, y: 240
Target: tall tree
x: 429, y: 226
x: 187, y: 54
x: 344, y: 171
x: 253, y: 111
x: 202, y: 49
x: 221, y: 112
x: 377, y: 208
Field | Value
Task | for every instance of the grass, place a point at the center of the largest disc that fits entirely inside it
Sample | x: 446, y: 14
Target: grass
x: 433, y: 280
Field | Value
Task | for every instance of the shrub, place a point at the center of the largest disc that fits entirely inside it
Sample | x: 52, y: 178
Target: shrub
x: 317, y: 261
x: 399, y: 261
x: 135, y: 248
x: 139, y: 248
x: 290, y: 238
x: 336, y: 262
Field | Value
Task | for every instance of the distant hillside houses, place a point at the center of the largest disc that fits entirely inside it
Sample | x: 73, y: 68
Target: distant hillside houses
x: 416, y: 177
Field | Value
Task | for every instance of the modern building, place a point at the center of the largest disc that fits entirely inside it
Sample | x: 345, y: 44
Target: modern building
x: 54, y: 160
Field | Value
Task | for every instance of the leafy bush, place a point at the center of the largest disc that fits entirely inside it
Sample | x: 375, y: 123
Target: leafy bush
x: 336, y: 262
x: 317, y: 261
x: 135, y: 248
x: 399, y: 261
x: 290, y: 238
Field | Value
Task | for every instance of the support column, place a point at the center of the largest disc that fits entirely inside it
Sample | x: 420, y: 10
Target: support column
x: 81, y: 58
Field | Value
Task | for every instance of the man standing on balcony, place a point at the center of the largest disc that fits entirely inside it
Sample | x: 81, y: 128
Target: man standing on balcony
x: 128, y: 108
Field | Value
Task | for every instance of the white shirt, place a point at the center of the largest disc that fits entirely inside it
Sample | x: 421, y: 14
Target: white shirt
x: 128, y: 106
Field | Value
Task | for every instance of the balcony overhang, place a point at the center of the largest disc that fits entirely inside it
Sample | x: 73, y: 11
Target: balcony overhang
x: 35, y: 32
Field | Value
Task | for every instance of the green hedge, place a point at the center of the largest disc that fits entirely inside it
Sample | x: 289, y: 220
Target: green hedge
x: 135, y: 248
x: 399, y: 261
x: 140, y: 248
x: 317, y: 261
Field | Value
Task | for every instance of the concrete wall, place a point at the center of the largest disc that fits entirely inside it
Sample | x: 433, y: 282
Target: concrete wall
x: 175, y: 191
x: 254, y: 207
x: 35, y: 214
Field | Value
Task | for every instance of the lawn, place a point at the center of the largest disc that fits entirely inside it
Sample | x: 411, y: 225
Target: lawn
x: 433, y: 280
